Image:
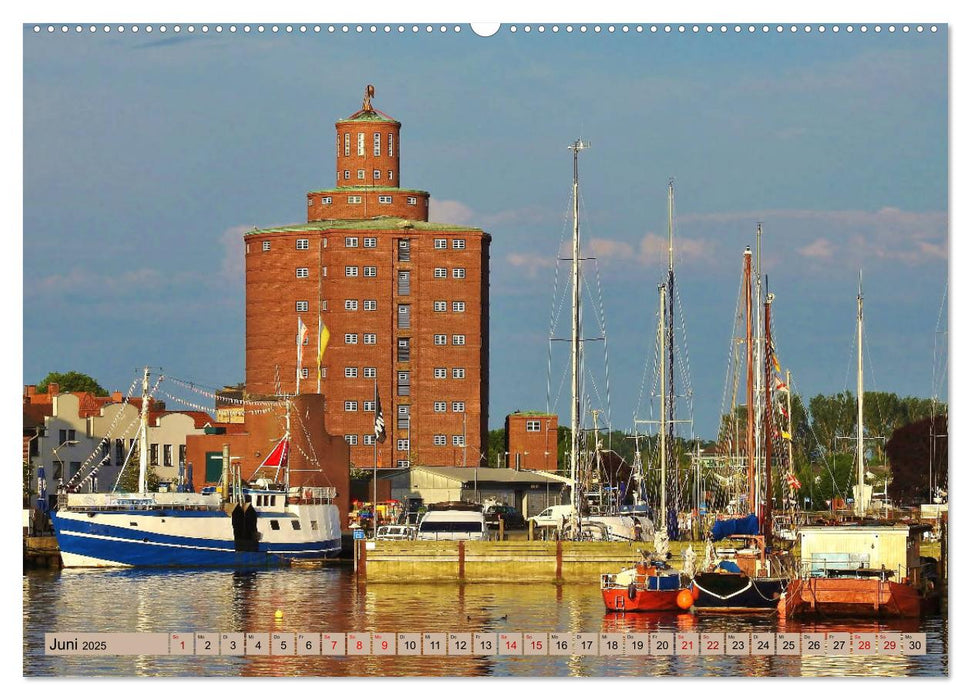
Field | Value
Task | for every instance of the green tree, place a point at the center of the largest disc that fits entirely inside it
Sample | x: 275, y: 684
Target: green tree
x: 71, y: 381
x: 495, y: 447
x: 128, y: 483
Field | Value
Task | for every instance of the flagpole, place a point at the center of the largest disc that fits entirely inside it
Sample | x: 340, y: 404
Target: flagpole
x: 299, y: 351
x: 374, y: 503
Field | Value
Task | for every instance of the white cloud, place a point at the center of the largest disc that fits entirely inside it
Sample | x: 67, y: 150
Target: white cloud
x: 531, y: 262
x: 820, y: 248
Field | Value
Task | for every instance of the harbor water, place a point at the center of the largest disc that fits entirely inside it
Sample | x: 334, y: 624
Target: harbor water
x: 333, y: 600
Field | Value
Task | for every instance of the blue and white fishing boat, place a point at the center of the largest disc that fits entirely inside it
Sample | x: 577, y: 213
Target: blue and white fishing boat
x: 266, y: 523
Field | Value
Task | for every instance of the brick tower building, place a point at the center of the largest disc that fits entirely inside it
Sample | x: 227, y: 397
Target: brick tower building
x: 405, y: 303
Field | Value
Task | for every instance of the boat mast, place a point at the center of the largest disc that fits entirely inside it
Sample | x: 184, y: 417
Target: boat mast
x: 792, y: 464
x: 758, y: 376
x: 576, y: 147
x: 767, y: 432
x: 859, y: 505
x: 662, y: 428
x: 669, y: 406
x: 749, y: 382
x: 143, y: 437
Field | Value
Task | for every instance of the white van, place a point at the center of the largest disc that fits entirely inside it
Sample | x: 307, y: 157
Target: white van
x: 453, y: 525
x: 554, y: 516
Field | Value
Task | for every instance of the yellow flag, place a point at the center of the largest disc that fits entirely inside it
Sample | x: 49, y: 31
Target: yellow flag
x: 324, y: 339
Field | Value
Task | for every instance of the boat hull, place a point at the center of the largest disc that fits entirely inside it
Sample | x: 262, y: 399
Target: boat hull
x: 736, y: 593
x: 855, y: 597
x: 193, y: 538
x: 619, y: 599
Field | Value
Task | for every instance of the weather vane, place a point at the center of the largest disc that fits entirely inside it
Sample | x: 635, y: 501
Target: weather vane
x: 368, y: 94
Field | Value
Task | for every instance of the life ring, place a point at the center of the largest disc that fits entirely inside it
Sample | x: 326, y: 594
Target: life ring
x: 632, y: 591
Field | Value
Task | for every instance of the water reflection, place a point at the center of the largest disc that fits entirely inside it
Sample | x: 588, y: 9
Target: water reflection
x: 333, y: 600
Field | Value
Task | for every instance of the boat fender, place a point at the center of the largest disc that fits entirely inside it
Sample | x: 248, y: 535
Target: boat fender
x: 632, y: 591
x: 685, y: 599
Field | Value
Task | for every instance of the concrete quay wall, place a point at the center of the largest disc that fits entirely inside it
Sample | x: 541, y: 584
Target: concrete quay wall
x: 508, y: 562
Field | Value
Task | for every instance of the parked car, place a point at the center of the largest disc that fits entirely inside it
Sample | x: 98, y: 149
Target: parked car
x: 554, y: 516
x: 452, y: 525
x: 512, y: 518
x: 397, y: 532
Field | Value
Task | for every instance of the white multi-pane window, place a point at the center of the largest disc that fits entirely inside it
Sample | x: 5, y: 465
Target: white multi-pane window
x: 350, y: 271
x: 266, y: 245
x: 347, y: 174
x: 370, y: 372
x: 323, y: 303
x: 368, y: 406
x: 441, y: 273
x: 377, y: 175
x: 458, y: 373
x: 303, y: 272
x: 350, y: 304
x: 385, y: 198
x: 326, y: 200
x: 350, y: 338
x: 391, y: 174
x: 370, y: 305
x: 458, y: 407
x: 441, y: 406
x: 441, y: 243
x: 458, y: 243
x: 441, y: 373
x: 370, y: 242
x: 458, y: 273
x: 390, y: 145
x: 350, y: 242
x: 370, y: 271
x: 440, y: 306
x: 441, y: 339
x: 458, y: 307
x: 439, y: 440
x: 458, y: 440
x: 350, y: 372
x: 303, y: 306
x: 323, y: 273
x: 303, y: 244
x: 532, y: 426
x: 360, y: 174
x: 304, y: 372
x: 350, y: 439
x: 377, y: 144
x: 412, y: 200
x: 402, y: 445
x: 369, y: 439
x: 402, y: 464
x: 458, y: 340
x: 354, y: 199
x: 350, y: 405
x: 360, y: 144
x: 347, y: 144
x: 370, y: 338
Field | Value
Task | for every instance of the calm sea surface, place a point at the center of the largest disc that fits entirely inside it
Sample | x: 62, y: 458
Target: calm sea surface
x: 331, y: 600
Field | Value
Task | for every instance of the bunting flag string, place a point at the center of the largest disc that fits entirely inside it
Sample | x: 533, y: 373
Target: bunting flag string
x: 222, y: 399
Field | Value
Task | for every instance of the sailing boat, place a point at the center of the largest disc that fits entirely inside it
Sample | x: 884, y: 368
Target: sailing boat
x: 866, y: 568
x: 261, y: 524
x: 650, y: 585
x: 746, y: 578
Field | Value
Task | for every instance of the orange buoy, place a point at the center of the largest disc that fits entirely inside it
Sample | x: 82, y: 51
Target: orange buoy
x: 685, y: 599
x: 695, y: 592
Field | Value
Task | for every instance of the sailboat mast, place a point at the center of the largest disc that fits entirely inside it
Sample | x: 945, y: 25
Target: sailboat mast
x: 576, y: 147
x: 758, y: 376
x: 143, y: 437
x: 768, y: 431
x: 670, y: 320
x: 859, y: 500
x: 662, y: 428
x: 749, y: 382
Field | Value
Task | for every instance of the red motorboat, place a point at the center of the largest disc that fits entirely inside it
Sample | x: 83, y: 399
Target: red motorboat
x: 646, y: 587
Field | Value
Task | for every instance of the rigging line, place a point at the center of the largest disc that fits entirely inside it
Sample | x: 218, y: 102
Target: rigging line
x: 556, y: 310
x: 603, y: 332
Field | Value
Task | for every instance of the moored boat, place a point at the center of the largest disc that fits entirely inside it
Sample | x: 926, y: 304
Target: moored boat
x: 266, y: 523
x: 648, y: 586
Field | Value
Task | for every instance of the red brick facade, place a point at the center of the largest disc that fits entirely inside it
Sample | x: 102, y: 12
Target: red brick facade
x: 531, y: 441
x: 405, y: 302
x: 310, y: 438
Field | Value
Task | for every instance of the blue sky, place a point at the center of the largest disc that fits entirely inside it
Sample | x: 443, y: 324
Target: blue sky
x: 146, y: 156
